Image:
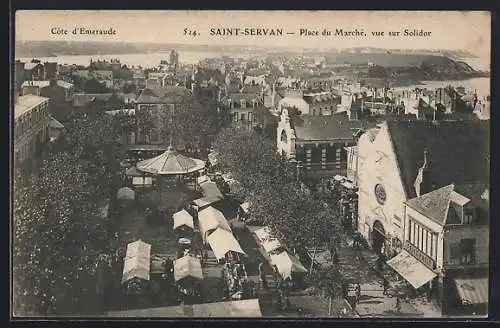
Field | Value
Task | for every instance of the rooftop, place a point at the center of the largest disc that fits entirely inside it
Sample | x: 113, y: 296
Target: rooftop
x: 459, y: 151
x: 444, y: 205
x: 26, y: 103
x: 172, y: 94
x: 325, y: 127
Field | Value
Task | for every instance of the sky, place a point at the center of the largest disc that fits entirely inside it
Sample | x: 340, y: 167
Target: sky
x: 449, y: 29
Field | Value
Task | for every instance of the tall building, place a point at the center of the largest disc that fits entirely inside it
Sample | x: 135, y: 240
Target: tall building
x: 160, y: 103
x: 422, y: 188
x: 446, y: 246
x: 31, y: 127
x: 317, y: 143
x: 174, y: 59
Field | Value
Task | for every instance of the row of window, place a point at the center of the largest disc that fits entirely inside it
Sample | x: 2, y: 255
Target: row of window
x: 242, y: 117
x: 316, y: 155
x: 422, y: 238
x: 29, y: 149
x: 321, y: 111
x: 30, y: 118
x: 463, y: 252
x: 243, y: 103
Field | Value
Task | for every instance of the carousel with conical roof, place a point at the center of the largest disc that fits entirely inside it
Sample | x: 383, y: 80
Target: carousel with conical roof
x: 170, y: 168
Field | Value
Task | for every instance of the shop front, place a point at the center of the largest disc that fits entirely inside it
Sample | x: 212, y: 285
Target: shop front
x: 418, y: 270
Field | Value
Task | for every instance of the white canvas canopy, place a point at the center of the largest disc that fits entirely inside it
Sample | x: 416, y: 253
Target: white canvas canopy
x: 263, y: 233
x: 187, y: 266
x: 222, y: 242
x: 210, y: 219
x: 183, y: 218
x: 125, y: 193
x: 205, y: 201
x: 137, y: 261
x: 271, y: 245
x: 287, y: 264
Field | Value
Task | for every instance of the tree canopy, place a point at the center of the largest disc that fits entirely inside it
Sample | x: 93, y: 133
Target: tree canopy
x: 268, y: 182
x: 58, y: 230
x: 193, y: 126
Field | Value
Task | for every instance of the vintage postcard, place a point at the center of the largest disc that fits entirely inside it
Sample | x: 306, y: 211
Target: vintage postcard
x: 321, y: 164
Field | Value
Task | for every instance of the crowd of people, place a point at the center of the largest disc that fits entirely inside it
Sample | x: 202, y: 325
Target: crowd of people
x: 236, y: 282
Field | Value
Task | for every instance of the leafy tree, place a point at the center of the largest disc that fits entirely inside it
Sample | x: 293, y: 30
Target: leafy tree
x: 56, y: 236
x: 192, y: 127
x: 58, y: 231
x: 300, y: 218
x: 328, y: 279
x: 95, y: 140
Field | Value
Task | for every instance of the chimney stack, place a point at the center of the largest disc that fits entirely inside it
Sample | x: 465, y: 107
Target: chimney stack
x: 423, y: 183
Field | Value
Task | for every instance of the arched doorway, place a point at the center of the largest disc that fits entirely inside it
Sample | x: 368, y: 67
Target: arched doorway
x: 378, y: 236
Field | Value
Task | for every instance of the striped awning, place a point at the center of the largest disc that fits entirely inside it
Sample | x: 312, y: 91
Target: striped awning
x: 473, y: 290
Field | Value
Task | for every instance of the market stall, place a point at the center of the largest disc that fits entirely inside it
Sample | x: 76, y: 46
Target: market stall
x: 201, y: 203
x: 125, y: 194
x: 222, y: 242
x: 183, y: 224
x: 136, y: 268
x: 263, y: 234
x: 187, y: 275
x: 289, y: 267
x: 273, y: 246
x: 209, y: 219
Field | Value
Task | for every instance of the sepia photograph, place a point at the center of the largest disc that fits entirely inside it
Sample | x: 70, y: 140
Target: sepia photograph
x: 250, y: 164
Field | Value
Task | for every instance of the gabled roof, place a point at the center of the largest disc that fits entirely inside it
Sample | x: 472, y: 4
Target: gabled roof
x: 324, y: 127
x: 166, y: 95
x: 458, y: 150
x: 238, y: 96
x: 445, y: 205
x: 434, y: 205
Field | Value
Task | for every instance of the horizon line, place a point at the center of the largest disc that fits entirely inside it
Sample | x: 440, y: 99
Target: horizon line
x: 241, y: 45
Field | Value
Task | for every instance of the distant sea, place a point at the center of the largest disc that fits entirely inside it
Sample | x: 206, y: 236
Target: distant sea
x: 140, y: 59
x: 482, y: 85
